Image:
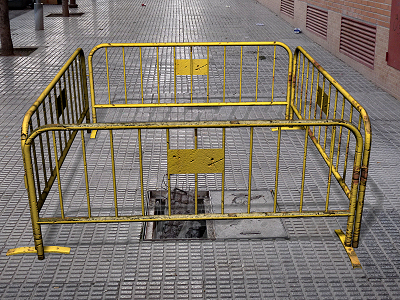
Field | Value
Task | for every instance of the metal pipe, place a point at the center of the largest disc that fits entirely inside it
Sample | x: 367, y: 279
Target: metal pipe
x: 38, y: 11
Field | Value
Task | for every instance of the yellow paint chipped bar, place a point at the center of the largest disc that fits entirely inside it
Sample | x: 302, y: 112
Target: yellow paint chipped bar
x: 288, y: 128
x: 191, y: 66
x: 47, y: 249
x: 195, y: 161
x: 355, y: 262
x: 93, y: 134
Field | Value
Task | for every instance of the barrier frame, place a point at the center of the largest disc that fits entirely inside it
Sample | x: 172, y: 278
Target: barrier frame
x: 57, y: 103
x: 223, y: 45
x: 302, y: 62
x: 294, y: 105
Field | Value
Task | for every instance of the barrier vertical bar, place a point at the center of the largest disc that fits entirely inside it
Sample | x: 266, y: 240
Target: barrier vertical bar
x: 191, y: 74
x: 273, y: 75
x: 86, y: 174
x: 241, y: 73
x: 41, y: 150
x: 250, y: 169
x: 83, y: 82
x: 330, y: 167
x: 306, y: 91
x: 320, y: 112
x: 327, y: 113
x: 208, y: 74
x: 37, y: 233
x: 340, y: 136
x: 56, y: 115
x: 158, y: 76
x: 141, y: 170
x: 303, y: 175
x: 58, y: 176
x: 108, y: 76
x: 311, y: 91
x: 124, y: 66
x: 359, y: 121
x: 52, y: 121
x: 169, y: 179
x: 315, y: 106
x: 352, y: 228
x: 78, y: 88
x: 278, y: 148
x: 223, y: 97
x: 363, y: 182
x: 35, y: 160
x: 298, y: 79
x: 70, y: 99
x: 65, y: 108
x: 335, y: 105
x: 347, y: 146
x: 291, y: 85
x: 141, y: 73
x: 62, y: 116
x: 113, y: 173
x: 302, y: 85
x: 223, y: 173
x: 195, y: 175
x: 74, y: 89
x: 258, y: 63
x: 47, y: 137
x: 175, y: 74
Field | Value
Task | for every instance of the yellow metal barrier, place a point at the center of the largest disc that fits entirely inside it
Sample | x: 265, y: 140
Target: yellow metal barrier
x: 197, y: 74
x: 342, y: 138
x: 64, y: 101
x: 317, y: 96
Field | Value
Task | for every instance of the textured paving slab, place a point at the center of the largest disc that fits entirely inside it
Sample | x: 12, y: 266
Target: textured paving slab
x: 110, y: 261
x: 236, y: 202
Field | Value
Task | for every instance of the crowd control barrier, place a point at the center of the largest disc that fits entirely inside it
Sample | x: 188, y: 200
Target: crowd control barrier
x: 304, y: 99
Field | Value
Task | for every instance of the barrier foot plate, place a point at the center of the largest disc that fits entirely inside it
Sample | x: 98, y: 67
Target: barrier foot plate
x: 350, y: 251
x: 93, y: 134
x: 47, y: 249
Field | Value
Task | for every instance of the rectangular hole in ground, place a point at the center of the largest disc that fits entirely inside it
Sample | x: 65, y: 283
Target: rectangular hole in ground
x: 55, y: 15
x: 182, y: 202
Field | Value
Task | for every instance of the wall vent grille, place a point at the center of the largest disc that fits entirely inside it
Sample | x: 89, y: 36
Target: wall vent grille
x: 287, y: 7
x: 317, y: 21
x: 357, y: 40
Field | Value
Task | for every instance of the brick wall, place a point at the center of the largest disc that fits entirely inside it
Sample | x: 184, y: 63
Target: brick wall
x: 374, y: 12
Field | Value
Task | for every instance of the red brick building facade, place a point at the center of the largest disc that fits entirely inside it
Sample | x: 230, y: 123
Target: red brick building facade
x: 363, y: 33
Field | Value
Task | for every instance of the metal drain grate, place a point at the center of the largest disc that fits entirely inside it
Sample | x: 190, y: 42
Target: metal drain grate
x: 317, y: 21
x: 357, y: 40
x: 287, y: 7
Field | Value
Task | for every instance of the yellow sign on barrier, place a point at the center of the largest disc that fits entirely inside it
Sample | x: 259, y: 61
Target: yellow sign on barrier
x: 195, y: 161
x: 191, y: 66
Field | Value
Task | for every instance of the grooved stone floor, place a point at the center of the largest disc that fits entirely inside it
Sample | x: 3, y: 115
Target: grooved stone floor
x: 110, y: 261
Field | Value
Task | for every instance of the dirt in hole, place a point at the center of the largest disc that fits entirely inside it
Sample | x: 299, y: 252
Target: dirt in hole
x: 182, y: 202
